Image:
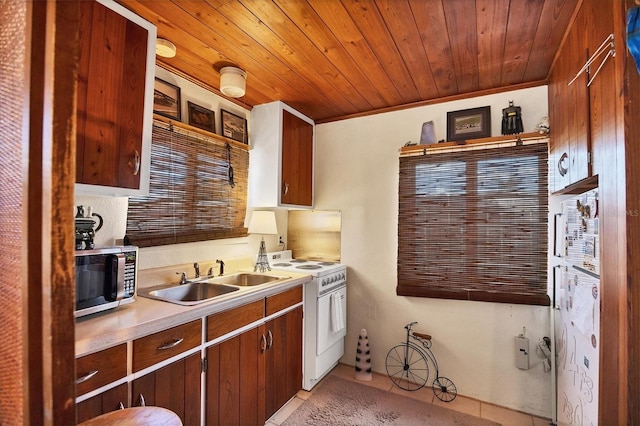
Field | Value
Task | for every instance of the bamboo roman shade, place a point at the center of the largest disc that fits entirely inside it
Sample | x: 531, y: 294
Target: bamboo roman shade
x: 191, y: 197
x: 472, y: 225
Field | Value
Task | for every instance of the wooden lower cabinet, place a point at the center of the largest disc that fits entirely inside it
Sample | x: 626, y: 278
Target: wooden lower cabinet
x: 250, y: 376
x: 283, y: 360
x: 95, y: 371
x: 103, y: 403
x: 235, y: 380
x: 175, y: 387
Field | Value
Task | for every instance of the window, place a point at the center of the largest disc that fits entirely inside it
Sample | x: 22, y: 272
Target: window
x: 472, y: 225
x: 191, y: 197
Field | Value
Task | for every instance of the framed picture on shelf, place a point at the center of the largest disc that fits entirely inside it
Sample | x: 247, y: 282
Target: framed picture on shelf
x: 166, y: 99
x: 201, y: 117
x: 233, y: 126
x: 469, y: 124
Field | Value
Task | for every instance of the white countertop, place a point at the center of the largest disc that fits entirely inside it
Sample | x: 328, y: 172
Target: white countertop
x: 146, y: 316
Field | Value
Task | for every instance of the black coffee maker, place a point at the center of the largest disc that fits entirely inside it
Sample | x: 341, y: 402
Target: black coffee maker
x: 85, y: 231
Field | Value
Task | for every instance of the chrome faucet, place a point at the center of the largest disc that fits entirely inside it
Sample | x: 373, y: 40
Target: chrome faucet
x: 221, y: 266
x: 197, y: 268
x: 183, y: 277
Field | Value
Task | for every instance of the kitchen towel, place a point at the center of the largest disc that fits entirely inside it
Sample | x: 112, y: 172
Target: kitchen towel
x: 337, y: 318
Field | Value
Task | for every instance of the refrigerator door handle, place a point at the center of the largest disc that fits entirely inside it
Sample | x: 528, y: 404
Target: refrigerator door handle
x: 555, y: 235
x: 555, y: 284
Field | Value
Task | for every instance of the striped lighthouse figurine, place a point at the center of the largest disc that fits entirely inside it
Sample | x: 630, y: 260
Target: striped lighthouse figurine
x: 363, y: 357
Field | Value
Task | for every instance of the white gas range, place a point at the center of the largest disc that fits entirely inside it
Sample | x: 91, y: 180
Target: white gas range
x: 325, y: 312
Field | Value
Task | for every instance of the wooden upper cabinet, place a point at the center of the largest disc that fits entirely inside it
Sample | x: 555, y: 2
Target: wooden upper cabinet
x: 569, y: 145
x: 281, y: 166
x: 581, y: 114
x: 297, y: 161
x: 602, y: 93
x: 114, y: 99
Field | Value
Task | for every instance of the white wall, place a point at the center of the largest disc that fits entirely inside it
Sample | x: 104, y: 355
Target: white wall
x: 357, y: 173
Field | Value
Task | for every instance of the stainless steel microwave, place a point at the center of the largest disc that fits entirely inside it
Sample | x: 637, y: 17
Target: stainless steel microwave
x: 105, y: 278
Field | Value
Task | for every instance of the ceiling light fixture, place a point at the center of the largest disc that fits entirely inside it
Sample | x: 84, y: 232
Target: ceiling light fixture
x: 165, y: 48
x: 233, y: 82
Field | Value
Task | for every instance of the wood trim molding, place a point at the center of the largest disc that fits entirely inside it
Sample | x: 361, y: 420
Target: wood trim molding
x: 51, y: 187
x: 437, y: 101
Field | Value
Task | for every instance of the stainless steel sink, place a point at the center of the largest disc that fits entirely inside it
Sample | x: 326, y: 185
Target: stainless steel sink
x: 195, y: 292
x: 246, y: 279
x: 187, y: 294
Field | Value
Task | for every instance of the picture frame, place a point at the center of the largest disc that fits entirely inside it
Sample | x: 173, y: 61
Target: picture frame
x: 201, y: 117
x: 469, y: 123
x: 233, y: 126
x: 166, y: 99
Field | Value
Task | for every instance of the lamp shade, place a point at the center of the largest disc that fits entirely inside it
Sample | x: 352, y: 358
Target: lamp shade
x: 263, y: 222
x: 233, y: 82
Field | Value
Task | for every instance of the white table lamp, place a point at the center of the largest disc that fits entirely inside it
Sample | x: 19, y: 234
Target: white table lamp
x: 263, y: 222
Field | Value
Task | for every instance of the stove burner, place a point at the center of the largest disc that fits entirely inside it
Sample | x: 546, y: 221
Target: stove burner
x: 327, y: 263
x: 309, y: 267
x: 298, y: 261
x: 281, y: 264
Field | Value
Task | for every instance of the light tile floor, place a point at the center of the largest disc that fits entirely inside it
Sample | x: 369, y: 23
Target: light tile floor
x: 462, y: 404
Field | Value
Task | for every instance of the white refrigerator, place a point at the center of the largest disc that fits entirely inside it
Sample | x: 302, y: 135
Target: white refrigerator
x: 576, y: 303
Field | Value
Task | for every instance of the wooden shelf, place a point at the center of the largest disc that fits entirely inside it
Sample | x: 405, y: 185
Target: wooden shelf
x: 194, y: 129
x: 415, y: 149
x: 579, y: 187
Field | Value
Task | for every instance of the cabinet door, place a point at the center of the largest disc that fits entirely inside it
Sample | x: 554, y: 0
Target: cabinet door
x: 175, y: 387
x: 111, y: 97
x: 283, y: 376
x: 602, y: 93
x: 107, y: 401
x: 297, y: 161
x: 569, y: 111
x: 235, y: 380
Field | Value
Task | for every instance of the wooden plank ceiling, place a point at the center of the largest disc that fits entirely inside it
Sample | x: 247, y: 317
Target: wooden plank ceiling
x: 333, y: 59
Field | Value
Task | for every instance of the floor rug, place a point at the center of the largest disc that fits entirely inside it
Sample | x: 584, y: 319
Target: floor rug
x: 340, y: 402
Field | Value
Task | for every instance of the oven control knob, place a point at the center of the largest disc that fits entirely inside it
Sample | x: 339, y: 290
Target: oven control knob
x: 324, y: 282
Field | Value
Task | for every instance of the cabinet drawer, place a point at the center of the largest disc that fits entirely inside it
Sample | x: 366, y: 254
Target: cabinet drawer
x: 224, y: 322
x: 283, y: 300
x: 165, y: 344
x: 100, y: 368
